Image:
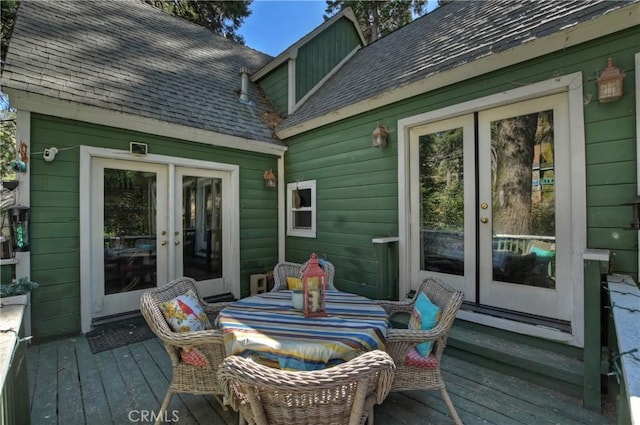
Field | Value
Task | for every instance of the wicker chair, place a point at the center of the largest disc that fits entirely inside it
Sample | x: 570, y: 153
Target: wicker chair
x: 186, y: 378
x: 401, y: 341
x: 343, y: 394
x: 283, y: 270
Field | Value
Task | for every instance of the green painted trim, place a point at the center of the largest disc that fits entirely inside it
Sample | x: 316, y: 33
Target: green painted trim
x: 592, y: 392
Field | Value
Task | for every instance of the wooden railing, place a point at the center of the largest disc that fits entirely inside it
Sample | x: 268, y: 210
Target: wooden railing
x: 14, y: 389
x: 624, y: 297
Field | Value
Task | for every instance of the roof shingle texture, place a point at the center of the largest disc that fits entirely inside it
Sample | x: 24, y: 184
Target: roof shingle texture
x: 457, y: 33
x: 129, y: 57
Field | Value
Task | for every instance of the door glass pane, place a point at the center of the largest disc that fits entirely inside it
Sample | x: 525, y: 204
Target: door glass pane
x: 523, y: 199
x: 129, y: 230
x: 442, y: 202
x: 202, y: 227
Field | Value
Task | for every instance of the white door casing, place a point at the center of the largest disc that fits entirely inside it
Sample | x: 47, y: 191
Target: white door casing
x: 570, y: 87
x: 88, y: 274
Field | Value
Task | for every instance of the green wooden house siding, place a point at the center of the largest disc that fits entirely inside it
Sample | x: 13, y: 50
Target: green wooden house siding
x: 276, y: 86
x: 357, y: 185
x: 55, y: 252
x: 321, y: 54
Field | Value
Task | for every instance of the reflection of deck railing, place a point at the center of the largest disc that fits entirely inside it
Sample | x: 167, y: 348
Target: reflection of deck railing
x: 128, y: 241
x: 520, y: 244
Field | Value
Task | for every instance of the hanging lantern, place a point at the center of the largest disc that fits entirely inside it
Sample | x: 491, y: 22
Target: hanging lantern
x: 19, y: 218
x: 610, y: 83
x: 380, y: 136
x: 314, y: 283
x: 269, y: 179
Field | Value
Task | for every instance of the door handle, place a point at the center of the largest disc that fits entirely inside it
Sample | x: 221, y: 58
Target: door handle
x: 163, y: 242
x: 177, y: 242
x: 484, y: 220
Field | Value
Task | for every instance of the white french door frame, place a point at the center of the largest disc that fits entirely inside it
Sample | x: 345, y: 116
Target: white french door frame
x: 103, y: 304
x: 572, y: 86
x: 227, y: 236
x: 231, y: 273
x: 465, y: 283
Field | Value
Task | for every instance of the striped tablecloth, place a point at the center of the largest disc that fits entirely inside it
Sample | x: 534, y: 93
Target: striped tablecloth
x: 269, y: 326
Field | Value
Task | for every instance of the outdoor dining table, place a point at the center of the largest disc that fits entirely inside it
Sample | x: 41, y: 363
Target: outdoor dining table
x: 268, y: 326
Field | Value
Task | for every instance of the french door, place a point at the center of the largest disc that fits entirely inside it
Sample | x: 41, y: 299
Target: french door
x: 151, y: 223
x: 494, y: 213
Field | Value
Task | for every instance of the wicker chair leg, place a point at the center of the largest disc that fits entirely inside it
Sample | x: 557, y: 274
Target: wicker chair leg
x: 163, y: 408
x: 241, y: 419
x: 454, y: 414
x: 370, y: 417
x: 221, y: 401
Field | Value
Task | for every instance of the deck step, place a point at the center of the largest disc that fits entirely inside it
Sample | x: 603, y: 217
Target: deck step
x: 544, y: 363
x: 543, y: 366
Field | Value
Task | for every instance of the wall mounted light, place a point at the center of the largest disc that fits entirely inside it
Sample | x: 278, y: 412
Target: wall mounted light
x: 635, y: 205
x: 269, y: 179
x: 380, y: 136
x: 610, y: 83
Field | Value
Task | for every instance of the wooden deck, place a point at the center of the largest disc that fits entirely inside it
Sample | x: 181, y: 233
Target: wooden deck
x: 70, y: 386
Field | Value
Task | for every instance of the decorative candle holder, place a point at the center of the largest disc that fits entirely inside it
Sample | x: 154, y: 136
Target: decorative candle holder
x: 314, y: 283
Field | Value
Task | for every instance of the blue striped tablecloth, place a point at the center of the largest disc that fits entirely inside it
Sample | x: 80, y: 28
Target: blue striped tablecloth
x: 269, y: 326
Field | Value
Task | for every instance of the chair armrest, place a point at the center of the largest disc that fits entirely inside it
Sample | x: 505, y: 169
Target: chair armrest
x: 192, y: 339
x: 413, y: 336
x: 394, y: 307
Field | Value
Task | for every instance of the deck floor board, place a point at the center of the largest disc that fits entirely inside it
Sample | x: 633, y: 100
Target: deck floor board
x: 96, y: 406
x: 70, y: 385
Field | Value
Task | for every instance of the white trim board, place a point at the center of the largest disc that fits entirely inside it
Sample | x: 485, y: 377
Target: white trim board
x: 92, y: 114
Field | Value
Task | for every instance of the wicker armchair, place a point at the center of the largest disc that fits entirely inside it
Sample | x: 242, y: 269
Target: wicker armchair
x: 401, y: 341
x: 343, y: 394
x: 283, y: 270
x: 186, y: 378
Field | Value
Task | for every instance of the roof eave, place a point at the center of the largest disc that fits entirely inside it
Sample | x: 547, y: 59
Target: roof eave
x: 46, y: 105
x: 618, y: 20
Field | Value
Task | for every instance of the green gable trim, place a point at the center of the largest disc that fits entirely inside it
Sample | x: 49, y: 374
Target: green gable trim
x: 55, y: 226
x: 276, y: 87
x: 323, y: 53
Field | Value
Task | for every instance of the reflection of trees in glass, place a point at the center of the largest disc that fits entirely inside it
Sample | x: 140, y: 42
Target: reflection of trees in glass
x: 513, y: 142
x: 441, y: 185
x: 127, y: 199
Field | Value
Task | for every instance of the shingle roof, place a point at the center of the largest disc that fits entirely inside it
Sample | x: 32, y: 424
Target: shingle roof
x: 132, y: 58
x: 457, y: 33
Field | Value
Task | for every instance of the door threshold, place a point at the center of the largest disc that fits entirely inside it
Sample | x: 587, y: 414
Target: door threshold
x: 529, y: 319
x: 106, y: 321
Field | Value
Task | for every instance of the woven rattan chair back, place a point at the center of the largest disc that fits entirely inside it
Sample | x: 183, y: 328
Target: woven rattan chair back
x: 186, y: 378
x: 286, y: 269
x: 343, y: 394
x: 401, y: 341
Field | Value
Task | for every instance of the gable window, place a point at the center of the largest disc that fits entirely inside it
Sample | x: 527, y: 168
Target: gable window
x: 301, y: 209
